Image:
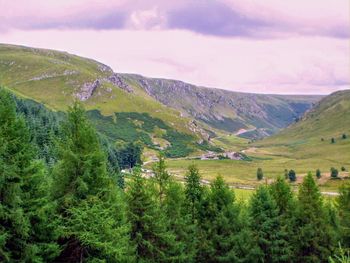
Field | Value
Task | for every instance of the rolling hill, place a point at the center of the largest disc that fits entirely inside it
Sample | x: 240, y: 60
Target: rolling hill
x: 164, y: 114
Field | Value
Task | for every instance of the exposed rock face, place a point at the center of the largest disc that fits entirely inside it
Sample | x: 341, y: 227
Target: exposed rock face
x: 118, y: 81
x: 227, y: 110
x: 87, y: 90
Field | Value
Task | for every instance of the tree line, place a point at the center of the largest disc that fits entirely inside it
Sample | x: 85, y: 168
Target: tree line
x: 74, y: 209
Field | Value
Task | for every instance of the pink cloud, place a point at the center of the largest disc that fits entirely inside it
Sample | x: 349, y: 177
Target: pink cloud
x: 294, y: 65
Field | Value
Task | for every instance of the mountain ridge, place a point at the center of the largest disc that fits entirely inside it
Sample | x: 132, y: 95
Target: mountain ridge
x: 56, y: 78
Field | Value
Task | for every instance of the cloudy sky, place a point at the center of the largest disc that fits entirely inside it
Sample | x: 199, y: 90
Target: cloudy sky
x: 265, y: 46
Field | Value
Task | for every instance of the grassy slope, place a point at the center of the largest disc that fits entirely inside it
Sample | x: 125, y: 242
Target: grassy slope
x: 18, y: 65
x: 53, y: 78
x: 298, y: 147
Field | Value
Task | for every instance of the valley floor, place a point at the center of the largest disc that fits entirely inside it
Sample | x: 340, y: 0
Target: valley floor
x: 303, y: 157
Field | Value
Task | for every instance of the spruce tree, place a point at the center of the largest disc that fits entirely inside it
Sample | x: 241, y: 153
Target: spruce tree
x: 161, y: 176
x: 286, y: 206
x: 92, y: 215
x: 193, y: 190
x: 222, y: 223
x: 315, y: 239
x: 15, y: 157
x: 180, y: 222
x: 269, y: 236
x: 25, y: 209
x: 150, y: 233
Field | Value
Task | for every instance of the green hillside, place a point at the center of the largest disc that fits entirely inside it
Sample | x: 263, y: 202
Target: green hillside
x: 170, y: 115
x: 56, y: 79
x: 304, y: 146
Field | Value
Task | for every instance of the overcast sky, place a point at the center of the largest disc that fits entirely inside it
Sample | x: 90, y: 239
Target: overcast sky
x: 264, y: 46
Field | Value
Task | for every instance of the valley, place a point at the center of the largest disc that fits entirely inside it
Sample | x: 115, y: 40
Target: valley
x: 187, y: 122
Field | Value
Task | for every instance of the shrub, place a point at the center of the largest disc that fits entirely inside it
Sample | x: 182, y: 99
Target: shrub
x: 292, y: 176
x: 332, y: 140
x: 344, y: 136
x: 343, y: 169
x: 334, y: 173
x: 318, y: 173
x: 259, y: 174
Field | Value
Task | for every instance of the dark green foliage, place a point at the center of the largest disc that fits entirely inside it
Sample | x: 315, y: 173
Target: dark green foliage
x: 344, y: 136
x: 315, y: 239
x: 219, y: 226
x: 15, y: 158
x: 343, y: 202
x: 318, y: 173
x: 193, y: 190
x: 292, y: 176
x: 131, y: 127
x: 286, y: 206
x: 268, y: 234
x: 83, y: 190
x: 161, y: 177
x: 130, y: 155
x: 153, y: 240
x: 343, y: 169
x: 179, y: 144
x: 180, y: 222
x: 334, y: 172
x: 23, y: 193
x: 332, y: 140
x: 259, y: 174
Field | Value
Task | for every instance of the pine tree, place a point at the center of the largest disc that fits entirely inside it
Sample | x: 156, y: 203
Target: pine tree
x: 315, y: 238
x: 193, y: 190
x: 88, y: 201
x: 150, y: 234
x: 266, y: 228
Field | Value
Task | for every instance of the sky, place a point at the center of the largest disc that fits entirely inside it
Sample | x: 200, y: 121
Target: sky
x: 262, y: 46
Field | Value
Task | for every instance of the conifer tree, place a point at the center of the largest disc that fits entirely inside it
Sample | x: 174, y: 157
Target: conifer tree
x: 180, y: 222
x: 266, y: 228
x: 343, y: 202
x: 15, y: 156
x: 25, y: 210
x: 315, y: 239
x: 92, y: 215
x: 222, y: 223
x: 193, y: 190
x: 153, y: 240
x: 286, y: 206
x: 161, y: 176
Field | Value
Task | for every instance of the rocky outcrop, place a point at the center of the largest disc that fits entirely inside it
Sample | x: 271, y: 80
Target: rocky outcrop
x: 118, y: 81
x: 87, y: 90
